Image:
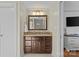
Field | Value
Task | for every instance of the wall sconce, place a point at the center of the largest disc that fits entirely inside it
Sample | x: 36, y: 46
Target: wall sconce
x: 38, y: 12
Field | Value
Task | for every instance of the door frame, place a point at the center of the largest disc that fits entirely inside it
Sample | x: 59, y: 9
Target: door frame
x: 62, y: 28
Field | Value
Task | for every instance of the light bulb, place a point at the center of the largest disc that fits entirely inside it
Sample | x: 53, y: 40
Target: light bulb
x: 33, y: 13
x: 37, y: 13
x: 41, y: 13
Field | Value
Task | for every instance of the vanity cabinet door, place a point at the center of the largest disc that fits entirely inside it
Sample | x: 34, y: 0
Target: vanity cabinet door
x: 48, y: 44
x: 35, y: 45
x: 42, y: 45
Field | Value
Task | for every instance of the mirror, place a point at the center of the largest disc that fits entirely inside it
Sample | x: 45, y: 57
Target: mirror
x: 37, y: 22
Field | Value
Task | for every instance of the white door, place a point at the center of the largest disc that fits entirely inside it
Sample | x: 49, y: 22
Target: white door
x: 7, y: 29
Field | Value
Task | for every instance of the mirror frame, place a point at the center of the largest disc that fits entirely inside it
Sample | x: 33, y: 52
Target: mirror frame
x: 37, y: 16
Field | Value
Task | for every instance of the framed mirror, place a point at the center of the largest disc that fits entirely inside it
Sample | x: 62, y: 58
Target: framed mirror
x: 37, y: 22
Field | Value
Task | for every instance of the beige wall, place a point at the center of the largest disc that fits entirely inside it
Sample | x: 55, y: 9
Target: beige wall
x: 52, y: 9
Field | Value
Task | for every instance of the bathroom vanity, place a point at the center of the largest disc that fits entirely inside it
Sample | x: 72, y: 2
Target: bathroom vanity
x: 37, y: 42
x: 71, y: 42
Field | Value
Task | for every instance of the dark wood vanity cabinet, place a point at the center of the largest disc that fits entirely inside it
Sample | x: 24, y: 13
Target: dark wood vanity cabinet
x: 37, y: 44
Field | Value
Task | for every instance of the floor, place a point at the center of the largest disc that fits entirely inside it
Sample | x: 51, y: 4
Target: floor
x: 71, y: 53
x: 38, y: 55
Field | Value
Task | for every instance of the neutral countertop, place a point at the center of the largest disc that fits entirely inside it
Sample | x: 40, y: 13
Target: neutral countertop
x: 37, y: 33
x: 72, y: 35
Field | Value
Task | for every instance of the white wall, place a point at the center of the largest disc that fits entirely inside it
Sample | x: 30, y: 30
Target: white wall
x: 71, y: 5
x: 71, y: 9
x: 53, y: 22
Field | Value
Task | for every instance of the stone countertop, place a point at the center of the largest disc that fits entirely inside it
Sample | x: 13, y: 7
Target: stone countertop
x: 37, y: 33
x: 72, y: 35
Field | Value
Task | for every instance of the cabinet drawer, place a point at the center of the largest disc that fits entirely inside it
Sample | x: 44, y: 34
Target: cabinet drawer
x: 48, y: 37
x: 48, y: 50
x: 74, y: 44
x: 73, y: 39
x: 27, y: 50
x: 27, y: 43
x: 37, y: 38
x: 27, y: 38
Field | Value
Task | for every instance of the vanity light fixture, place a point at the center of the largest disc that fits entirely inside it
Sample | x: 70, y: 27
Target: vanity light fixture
x: 38, y: 12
